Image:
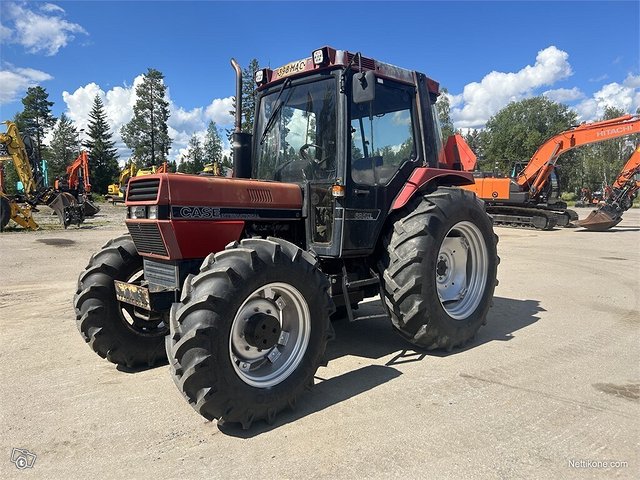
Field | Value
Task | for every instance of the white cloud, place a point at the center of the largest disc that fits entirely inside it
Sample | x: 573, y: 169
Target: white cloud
x: 118, y: 106
x: 600, y: 78
x: 480, y: 100
x: 41, y: 31
x: 218, y: 111
x: 625, y: 96
x: 50, y: 7
x: 14, y: 81
x: 563, y: 95
x: 5, y: 33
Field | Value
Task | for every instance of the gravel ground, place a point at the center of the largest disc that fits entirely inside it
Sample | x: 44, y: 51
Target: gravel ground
x: 550, y: 388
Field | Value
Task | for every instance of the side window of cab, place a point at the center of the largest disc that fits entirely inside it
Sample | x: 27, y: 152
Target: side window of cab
x: 382, y: 134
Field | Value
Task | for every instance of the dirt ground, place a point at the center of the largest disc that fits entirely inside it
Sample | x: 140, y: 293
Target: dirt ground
x: 550, y: 388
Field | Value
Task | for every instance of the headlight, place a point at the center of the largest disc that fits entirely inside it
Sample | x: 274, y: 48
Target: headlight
x: 318, y: 57
x: 153, y: 212
x: 138, y: 212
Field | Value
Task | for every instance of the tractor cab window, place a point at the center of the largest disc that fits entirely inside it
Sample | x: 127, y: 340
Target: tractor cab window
x: 296, y: 134
x: 382, y: 135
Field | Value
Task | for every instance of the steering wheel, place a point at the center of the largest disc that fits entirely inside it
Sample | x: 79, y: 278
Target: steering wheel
x: 303, y: 149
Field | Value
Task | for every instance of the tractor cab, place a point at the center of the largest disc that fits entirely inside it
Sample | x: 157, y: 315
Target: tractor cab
x: 350, y: 131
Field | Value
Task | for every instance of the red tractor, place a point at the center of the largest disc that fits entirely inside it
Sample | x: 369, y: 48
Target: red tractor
x: 342, y: 192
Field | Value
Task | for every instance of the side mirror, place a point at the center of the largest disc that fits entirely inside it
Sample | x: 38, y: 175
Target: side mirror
x: 364, y: 87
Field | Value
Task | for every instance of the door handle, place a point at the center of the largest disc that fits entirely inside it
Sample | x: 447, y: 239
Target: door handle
x: 361, y: 193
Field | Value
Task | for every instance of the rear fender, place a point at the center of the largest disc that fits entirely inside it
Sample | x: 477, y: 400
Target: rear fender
x: 425, y: 179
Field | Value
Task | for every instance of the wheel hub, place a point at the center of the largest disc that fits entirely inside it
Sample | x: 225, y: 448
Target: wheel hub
x: 269, y: 334
x: 262, y: 331
x: 461, y: 270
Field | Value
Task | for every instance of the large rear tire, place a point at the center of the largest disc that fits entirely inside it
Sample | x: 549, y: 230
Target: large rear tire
x: 121, y: 333
x: 439, y: 269
x: 250, y: 331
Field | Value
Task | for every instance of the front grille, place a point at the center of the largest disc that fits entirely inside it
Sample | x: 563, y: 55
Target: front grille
x: 161, y: 273
x: 147, y: 238
x: 259, y: 195
x: 143, y: 190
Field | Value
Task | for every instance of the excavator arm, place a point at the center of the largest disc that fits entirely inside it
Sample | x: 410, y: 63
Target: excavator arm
x: 64, y: 205
x: 79, y: 169
x: 536, y: 174
x: 630, y: 169
x: 16, y: 151
x: 620, y: 197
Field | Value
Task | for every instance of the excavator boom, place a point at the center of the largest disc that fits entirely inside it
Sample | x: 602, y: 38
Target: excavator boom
x: 532, y: 198
x: 536, y: 174
x: 66, y: 209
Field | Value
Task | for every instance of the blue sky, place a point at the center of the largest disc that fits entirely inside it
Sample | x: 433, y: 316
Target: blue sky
x: 586, y: 54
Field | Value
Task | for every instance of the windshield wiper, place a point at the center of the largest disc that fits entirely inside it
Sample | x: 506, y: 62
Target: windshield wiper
x: 272, y: 118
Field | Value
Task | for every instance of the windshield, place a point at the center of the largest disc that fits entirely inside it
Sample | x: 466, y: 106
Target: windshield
x: 299, y: 142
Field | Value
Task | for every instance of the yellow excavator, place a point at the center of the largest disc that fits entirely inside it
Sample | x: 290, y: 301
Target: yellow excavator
x: 19, y: 207
x: 116, y: 191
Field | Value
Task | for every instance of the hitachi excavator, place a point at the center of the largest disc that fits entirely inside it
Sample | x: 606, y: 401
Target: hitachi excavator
x: 77, y: 182
x: 619, y: 199
x: 18, y: 208
x: 532, y: 198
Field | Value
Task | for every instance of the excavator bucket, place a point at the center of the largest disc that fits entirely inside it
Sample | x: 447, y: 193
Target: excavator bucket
x: 67, y: 209
x: 601, y: 219
x: 90, y: 208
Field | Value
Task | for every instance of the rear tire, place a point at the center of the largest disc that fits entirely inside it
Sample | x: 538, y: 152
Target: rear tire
x: 443, y: 238
x: 117, y: 331
x: 213, y: 354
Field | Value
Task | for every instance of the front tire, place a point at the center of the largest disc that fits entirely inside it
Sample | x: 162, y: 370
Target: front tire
x: 121, y: 333
x: 439, y: 269
x: 250, y: 331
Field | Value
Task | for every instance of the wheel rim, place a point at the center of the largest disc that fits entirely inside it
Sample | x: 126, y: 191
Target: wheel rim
x: 461, y: 270
x: 265, y: 368
x: 143, y: 322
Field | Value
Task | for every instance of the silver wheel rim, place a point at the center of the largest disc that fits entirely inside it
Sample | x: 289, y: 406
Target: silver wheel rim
x: 461, y: 270
x: 266, y: 368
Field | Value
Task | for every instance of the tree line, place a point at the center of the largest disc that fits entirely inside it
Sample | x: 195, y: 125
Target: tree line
x: 511, y: 136
x: 514, y: 133
x: 146, y: 135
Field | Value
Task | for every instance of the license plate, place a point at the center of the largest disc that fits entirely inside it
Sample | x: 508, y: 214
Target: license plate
x: 132, y: 294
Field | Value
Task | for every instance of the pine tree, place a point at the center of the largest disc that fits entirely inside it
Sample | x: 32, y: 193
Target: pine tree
x: 103, y: 156
x: 196, y: 155
x: 36, y: 118
x: 147, y: 133
x: 212, y: 144
x: 64, y: 148
x: 193, y: 161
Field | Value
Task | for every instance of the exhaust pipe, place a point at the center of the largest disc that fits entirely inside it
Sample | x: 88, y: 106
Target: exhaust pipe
x: 238, y: 122
x: 240, y: 142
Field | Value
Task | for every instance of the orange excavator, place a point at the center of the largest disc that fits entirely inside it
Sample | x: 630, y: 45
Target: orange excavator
x: 532, y: 198
x: 77, y: 182
x: 619, y: 199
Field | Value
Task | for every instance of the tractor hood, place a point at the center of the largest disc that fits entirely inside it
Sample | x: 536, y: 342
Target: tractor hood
x: 176, y: 216
x: 195, y: 196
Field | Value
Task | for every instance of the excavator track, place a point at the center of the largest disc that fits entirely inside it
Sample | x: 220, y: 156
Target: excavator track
x: 537, y: 218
